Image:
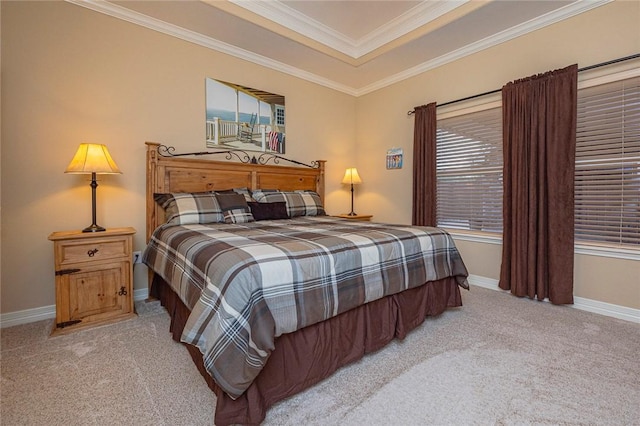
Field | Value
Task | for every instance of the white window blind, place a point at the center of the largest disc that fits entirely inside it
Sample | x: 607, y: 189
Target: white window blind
x: 607, y: 194
x: 469, y: 171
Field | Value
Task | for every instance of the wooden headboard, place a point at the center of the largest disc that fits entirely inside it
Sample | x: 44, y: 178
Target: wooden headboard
x: 189, y: 174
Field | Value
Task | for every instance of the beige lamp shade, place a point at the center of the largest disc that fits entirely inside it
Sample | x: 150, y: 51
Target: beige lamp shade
x: 92, y: 158
x: 351, y: 176
x: 95, y: 159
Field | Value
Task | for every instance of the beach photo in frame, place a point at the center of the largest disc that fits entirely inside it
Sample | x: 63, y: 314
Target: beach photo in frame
x: 394, y: 158
x: 240, y: 117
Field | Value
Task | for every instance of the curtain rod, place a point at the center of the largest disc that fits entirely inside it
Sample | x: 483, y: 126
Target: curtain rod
x: 590, y: 67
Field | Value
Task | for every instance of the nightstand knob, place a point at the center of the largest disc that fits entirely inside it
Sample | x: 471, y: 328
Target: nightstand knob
x: 92, y: 253
x: 122, y: 291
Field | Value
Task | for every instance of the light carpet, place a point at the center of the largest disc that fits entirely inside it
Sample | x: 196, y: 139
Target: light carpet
x: 498, y: 360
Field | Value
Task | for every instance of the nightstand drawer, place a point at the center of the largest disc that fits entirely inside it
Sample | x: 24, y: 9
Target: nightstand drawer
x: 92, y: 251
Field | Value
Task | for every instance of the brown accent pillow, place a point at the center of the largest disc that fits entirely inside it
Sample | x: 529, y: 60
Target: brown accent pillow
x: 244, y: 191
x: 234, y: 208
x: 268, y: 211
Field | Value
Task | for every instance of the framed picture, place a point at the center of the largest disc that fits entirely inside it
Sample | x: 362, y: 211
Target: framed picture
x: 394, y: 158
x: 240, y: 117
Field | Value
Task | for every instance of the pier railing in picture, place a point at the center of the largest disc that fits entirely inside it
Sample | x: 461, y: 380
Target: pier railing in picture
x: 227, y: 133
x: 230, y: 134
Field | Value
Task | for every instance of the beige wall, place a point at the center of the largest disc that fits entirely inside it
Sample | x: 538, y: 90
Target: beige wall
x: 70, y: 75
x: 605, y: 33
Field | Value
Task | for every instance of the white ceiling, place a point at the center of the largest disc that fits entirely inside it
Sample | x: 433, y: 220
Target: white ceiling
x: 353, y: 46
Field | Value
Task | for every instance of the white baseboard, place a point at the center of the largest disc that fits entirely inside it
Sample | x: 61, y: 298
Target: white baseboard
x: 584, y: 304
x: 608, y: 309
x: 616, y: 311
x: 484, y: 282
x: 47, y: 312
x: 28, y: 315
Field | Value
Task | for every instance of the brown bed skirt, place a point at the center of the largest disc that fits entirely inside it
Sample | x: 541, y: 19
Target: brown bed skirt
x: 305, y: 357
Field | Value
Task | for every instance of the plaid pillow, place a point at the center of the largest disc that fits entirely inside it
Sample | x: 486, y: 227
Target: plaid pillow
x: 234, y: 208
x: 299, y: 203
x: 183, y: 208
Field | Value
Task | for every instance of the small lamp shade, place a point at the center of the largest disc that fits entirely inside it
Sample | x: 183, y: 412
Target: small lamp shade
x: 351, y: 176
x: 92, y: 158
x: 95, y: 159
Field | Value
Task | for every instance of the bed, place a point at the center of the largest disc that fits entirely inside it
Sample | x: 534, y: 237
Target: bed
x: 270, y: 307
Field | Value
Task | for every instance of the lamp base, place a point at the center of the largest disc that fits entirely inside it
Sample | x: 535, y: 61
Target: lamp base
x: 93, y: 228
x: 352, y: 214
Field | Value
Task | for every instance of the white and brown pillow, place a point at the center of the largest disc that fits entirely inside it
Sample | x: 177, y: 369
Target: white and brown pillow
x: 184, y: 208
x: 299, y: 203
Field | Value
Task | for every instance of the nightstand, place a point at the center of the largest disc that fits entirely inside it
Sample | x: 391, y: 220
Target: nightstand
x: 94, y: 278
x: 364, y: 217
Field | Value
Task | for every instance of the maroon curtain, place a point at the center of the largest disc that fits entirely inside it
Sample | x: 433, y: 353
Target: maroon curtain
x: 539, y: 136
x: 424, y: 166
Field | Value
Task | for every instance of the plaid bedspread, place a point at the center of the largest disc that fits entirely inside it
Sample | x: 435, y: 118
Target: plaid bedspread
x: 246, y: 284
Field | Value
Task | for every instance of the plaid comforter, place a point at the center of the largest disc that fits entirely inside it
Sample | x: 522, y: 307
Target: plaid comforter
x: 248, y: 283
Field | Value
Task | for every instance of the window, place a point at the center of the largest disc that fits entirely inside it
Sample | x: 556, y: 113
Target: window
x: 607, y: 191
x: 607, y: 194
x: 280, y: 115
x: 469, y: 171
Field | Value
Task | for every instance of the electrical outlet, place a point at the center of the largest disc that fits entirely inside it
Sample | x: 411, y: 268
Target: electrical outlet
x: 137, y: 257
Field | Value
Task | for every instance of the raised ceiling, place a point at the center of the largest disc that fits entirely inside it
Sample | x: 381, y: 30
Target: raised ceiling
x: 352, y: 46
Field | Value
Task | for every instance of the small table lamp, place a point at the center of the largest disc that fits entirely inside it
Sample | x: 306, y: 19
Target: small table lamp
x: 351, y: 177
x: 92, y: 158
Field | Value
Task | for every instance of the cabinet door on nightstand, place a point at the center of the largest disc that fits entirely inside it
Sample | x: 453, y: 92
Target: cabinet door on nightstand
x: 96, y: 292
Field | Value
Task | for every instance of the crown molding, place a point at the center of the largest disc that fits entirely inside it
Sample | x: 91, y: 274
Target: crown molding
x: 136, y: 18
x: 542, y: 21
x: 296, y: 21
x: 409, y: 21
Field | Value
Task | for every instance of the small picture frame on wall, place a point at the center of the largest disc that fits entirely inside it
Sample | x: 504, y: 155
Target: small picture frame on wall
x: 394, y: 158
